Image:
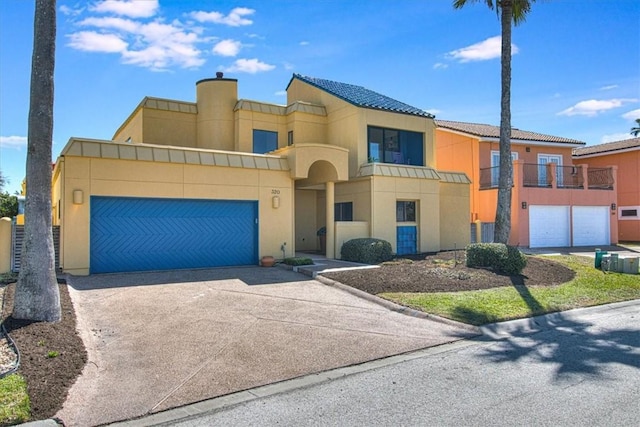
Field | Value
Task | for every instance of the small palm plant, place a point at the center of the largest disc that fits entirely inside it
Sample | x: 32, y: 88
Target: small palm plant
x: 635, y: 131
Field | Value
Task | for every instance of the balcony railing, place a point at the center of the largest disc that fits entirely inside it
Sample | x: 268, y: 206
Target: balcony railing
x: 569, y: 177
x: 489, y: 177
x: 600, y: 178
x: 552, y: 176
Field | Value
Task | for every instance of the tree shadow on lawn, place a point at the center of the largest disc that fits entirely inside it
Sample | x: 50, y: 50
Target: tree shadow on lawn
x: 578, y: 348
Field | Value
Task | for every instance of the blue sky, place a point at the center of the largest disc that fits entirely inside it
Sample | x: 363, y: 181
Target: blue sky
x: 576, y: 63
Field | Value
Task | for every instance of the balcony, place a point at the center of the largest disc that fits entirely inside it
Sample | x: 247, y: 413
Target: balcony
x: 550, y: 175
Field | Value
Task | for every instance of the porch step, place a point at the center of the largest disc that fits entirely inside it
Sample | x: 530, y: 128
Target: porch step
x: 326, y: 266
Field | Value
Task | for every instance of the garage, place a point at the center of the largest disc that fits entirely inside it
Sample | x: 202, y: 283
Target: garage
x: 590, y: 225
x: 143, y: 234
x: 549, y: 226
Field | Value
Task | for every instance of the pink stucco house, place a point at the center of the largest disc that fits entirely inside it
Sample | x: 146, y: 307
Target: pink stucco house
x: 625, y: 156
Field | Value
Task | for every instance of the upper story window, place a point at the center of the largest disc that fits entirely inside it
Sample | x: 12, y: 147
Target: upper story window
x: 395, y: 146
x: 264, y: 141
x: 290, y: 138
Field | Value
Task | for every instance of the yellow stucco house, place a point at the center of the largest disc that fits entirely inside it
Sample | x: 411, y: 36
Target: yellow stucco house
x: 224, y: 181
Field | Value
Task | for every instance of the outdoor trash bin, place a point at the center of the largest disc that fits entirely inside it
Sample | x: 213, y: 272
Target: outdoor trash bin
x: 599, y: 255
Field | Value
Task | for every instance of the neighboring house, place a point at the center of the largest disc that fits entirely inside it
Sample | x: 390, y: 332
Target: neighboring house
x: 625, y: 155
x: 554, y: 202
x: 225, y: 181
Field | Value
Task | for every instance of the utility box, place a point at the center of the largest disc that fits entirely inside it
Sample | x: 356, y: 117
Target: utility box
x: 629, y: 264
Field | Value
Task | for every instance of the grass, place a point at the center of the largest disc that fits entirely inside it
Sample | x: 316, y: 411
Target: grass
x: 14, y: 400
x: 589, y: 287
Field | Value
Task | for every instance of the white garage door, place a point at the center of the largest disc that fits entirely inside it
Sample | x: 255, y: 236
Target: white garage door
x: 591, y: 225
x: 549, y: 226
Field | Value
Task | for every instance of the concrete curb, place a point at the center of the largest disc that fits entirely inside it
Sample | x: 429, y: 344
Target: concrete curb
x: 545, y: 322
x: 211, y: 405
x: 396, y: 307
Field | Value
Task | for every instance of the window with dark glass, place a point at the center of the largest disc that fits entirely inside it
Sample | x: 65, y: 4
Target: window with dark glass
x: 264, y: 141
x: 343, y: 211
x: 629, y: 212
x: 290, y: 138
x: 395, y: 146
x: 405, y: 211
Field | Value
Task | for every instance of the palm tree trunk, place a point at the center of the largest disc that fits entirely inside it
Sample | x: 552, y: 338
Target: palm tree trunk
x: 505, y: 180
x: 37, y: 295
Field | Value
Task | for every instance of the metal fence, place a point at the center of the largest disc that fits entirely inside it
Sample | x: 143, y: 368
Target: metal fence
x: 486, y: 232
x: 17, y: 237
x: 569, y: 177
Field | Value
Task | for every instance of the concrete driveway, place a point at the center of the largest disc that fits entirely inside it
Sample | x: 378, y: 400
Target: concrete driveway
x: 162, y: 340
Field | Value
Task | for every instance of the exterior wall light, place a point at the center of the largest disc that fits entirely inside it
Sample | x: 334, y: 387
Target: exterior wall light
x: 524, y: 205
x: 275, y: 202
x: 78, y: 197
x: 613, y: 206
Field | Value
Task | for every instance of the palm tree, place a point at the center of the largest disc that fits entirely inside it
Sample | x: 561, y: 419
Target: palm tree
x: 37, y: 295
x: 635, y: 131
x: 510, y: 11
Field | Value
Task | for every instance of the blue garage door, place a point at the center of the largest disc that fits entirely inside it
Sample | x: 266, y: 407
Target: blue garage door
x: 134, y: 234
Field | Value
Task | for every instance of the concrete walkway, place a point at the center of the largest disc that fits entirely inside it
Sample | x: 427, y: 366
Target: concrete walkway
x: 163, y: 340
x: 622, y: 249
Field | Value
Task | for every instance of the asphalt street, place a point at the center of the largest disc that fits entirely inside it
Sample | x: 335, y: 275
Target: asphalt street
x: 575, y: 368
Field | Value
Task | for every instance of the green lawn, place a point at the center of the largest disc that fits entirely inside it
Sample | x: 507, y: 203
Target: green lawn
x: 589, y: 287
x: 14, y: 400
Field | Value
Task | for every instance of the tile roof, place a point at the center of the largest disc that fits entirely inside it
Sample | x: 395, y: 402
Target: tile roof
x: 489, y: 131
x: 607, y: 148
x: 362, y: 97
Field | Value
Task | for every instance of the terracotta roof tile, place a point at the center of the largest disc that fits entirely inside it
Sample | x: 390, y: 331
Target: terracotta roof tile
x: 607, y: 148
x: 489, y: 131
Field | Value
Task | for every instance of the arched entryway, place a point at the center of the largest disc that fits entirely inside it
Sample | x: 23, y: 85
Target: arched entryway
x: 316, y: 168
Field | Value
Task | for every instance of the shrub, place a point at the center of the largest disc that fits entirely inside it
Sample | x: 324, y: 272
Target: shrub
x: 367, y: 251
x: 295, y: 261
x: 498, y: 256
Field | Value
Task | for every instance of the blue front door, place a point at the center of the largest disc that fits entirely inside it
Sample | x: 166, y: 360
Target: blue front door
x: 142, y: 234
x: 406, y: 239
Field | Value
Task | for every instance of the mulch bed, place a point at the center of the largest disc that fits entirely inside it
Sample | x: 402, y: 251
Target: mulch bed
x: 441, y: 273
x: 48, y: 376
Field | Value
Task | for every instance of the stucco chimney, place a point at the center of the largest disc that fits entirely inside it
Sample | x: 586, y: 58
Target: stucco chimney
x: 216, y: 99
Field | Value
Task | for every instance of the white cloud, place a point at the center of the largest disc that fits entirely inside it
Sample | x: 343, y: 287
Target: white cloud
x: 439, y: 65
x: 110, y: 26
x: 66, y: 10
x: 251, y: 66
x: 227, y: 47
x: 608, y: 87
x: 13, y: 141
x: 235, y: 18
x: 482, y: 51
x: 131, y: 8
x: 593, y: 107
x: 281, y: 93
x: 304, y: 43
x: 288, y: 66
x: 433, y: 111
x: 90, y: 41
x: 153, y: 45
x: 615, y: 137
x: 632, y: 115
x: 121, y: 24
